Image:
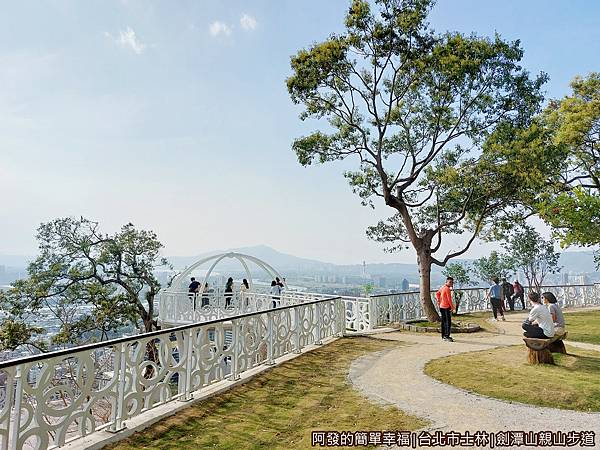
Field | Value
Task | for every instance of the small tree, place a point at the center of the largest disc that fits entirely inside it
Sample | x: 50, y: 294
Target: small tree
x: 78, y: 266
x: 460, y: 274
x: 534, y: 255
x: 496, y: 265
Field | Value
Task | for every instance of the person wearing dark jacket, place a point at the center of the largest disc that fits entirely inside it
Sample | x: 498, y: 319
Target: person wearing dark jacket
x: 507, y: 292
x: 518, y: 292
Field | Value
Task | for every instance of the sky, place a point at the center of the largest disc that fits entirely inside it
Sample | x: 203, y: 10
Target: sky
x: 175, y: 116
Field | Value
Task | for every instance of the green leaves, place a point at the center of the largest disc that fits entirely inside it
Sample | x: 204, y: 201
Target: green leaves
x: 459, y: 272
x: 14, y: 334
x: 572, y: 206
x: 495, y: 265
x: 79, y: 268
x: 428, y: 118
x: 574, y: 216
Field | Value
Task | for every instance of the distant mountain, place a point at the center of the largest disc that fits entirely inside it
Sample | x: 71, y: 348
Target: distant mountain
x: 575, y: 262
x: 280, y: 261
x: 286, y: 263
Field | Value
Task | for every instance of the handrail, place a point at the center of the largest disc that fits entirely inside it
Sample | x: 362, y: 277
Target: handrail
x: 68, y: 351
x: 483, y: 287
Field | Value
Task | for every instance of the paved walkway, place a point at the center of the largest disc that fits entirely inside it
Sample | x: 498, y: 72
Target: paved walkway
x: 396, y: 376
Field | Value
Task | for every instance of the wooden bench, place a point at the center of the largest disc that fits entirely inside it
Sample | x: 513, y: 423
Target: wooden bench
x: 540, y: 350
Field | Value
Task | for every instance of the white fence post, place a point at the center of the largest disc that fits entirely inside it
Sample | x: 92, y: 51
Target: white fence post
x: 120, y: 368
x: 297, y: 347
x: 318, y: 317
x: 270, y: 338
x: 341, y: 319
x: 236, y: 349
x: 373, y: 313
x: 15, y: 426
x: 189, y: 367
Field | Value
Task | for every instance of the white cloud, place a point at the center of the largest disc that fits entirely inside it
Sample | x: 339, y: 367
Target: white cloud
x: 248, y: 22
x: 128, y: 39
x: 216, y: 28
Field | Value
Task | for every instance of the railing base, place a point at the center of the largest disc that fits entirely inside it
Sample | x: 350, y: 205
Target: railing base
x: 117, y: 430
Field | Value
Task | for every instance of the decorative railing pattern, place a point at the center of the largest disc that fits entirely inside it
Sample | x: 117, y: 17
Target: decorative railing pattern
x: 178, y: 308
x: 50, y: 399
x: 391, y: 308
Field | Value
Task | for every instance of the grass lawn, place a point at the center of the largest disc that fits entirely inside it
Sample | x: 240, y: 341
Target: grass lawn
x: 280, y: 408
x: 583, y: 326
x: 504, y: 373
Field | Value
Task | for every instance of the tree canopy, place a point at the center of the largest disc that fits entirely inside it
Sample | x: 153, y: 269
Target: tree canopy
x: 79, y: 268
x: 573, y: 122
x: 427, y: 117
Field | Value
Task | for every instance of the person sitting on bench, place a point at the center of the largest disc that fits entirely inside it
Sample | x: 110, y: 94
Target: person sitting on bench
x: 555, y: 311
x: 539, y: 324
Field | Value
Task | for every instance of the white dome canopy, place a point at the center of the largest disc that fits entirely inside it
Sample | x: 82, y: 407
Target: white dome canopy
x: 242, y: 258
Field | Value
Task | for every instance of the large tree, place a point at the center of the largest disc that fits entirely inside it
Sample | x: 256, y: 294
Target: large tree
x: 573, y: 122
x: 424, y: 115
x: 110, y: 276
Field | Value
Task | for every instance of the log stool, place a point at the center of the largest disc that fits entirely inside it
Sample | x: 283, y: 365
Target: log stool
x: 540, y: 350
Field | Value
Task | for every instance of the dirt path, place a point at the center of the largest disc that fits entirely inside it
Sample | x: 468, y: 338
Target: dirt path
x: 397, y: 377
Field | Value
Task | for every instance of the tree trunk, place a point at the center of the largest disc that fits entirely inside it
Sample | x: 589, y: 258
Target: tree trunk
x: 424, y: 262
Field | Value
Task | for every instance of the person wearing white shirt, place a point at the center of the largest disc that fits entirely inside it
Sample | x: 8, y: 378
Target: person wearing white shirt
x: 539, y: 324
x: 244, y: 288
x: 275, y: 292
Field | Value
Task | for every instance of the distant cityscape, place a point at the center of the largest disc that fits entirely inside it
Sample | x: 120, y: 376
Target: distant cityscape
x: 305, y: 275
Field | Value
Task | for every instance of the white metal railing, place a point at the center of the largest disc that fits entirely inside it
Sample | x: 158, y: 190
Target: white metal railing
x: 390, y: 308
x: 362, y: 313
x: 50, y: 399
x: 177, y: 308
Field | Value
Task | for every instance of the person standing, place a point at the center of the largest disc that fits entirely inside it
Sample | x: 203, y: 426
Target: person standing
x: 495, y: 296
x: 244, y: 288
x: 519, y: 292
x: 228, y: 292
x: 279, y: 283
x: 444, y: 299
x: 275, y: 292
x: 205, y: 296
x: 193, y: 291
x: 507, y: 295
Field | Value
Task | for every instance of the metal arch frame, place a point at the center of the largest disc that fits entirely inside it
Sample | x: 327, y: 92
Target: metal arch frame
x: 239, y: 256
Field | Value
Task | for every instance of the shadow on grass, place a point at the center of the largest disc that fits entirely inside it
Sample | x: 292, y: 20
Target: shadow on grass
x: 578, y: 363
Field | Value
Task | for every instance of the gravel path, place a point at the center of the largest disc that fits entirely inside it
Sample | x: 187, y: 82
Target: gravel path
x: 397, y: 377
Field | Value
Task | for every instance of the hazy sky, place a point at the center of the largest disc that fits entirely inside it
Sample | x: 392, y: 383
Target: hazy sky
x: 175, y: 116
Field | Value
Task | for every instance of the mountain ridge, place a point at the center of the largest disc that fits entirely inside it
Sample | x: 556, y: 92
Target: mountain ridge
x: 574, y: 261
